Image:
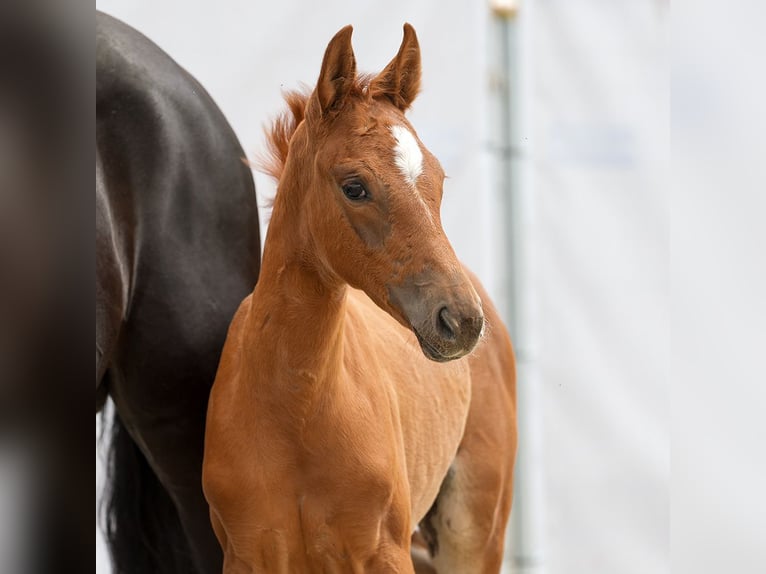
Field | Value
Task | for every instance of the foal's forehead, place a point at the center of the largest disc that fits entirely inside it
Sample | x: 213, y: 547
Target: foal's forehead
x: 387, y: 136
x: 408, y: 156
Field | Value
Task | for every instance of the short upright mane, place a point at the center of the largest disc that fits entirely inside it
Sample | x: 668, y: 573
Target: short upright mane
x: 281, y: 131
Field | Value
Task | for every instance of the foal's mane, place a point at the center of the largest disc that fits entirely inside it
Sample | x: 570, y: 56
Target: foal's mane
x: 281, y: 131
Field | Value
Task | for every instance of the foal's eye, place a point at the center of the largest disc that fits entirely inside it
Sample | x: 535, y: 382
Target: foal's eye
x: 355, y: 191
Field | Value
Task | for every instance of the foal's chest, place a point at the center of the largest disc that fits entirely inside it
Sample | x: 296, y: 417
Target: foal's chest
x: 329, y: 516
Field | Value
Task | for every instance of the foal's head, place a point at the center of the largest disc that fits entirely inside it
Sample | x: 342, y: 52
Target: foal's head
x: 367, y: 194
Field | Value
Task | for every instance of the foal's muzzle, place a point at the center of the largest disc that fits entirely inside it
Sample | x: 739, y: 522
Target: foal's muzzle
x: 450, y: 334
x: 447, y: 322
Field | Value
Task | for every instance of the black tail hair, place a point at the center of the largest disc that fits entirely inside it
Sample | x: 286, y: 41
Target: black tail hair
x: 141, y: 524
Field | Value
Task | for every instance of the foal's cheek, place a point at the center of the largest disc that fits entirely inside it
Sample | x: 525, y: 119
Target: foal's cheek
x: 370, y: 225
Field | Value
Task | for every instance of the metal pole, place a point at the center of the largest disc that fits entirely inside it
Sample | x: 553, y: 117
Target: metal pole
x: 511, y: 56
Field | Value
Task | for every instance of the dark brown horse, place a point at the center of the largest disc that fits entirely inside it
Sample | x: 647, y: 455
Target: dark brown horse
x: 177, y: 248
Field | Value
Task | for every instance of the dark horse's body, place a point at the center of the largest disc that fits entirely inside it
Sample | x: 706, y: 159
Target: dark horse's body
x: 177, y: 249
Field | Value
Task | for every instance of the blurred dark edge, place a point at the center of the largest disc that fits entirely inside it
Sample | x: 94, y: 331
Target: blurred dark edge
x: 47, y: 270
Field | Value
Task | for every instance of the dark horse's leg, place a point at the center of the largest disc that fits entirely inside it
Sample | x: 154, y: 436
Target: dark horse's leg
x: 144, y: 531
x: 181, y: 240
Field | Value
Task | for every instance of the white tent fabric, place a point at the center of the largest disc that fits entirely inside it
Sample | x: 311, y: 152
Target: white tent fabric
x: 599, y: 119
x: 601, y: 122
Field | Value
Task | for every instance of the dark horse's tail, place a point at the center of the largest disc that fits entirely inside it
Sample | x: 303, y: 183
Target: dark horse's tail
x: 142, y: 528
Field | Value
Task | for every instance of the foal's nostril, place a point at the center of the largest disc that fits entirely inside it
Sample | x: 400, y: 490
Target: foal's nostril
x: 448, y: 324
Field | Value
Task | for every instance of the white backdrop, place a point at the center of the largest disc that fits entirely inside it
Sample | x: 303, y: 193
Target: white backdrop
x: 601, y: 125
x: 598, y: 116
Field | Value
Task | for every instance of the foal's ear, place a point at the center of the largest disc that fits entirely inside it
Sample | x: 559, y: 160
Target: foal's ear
x: 400, y: 80
x: 338, y: 73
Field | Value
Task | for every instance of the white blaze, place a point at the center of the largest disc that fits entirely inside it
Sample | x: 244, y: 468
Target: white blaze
x: 407, y: 154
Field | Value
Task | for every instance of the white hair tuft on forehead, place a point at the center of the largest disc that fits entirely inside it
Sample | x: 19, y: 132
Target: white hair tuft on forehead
x: 407, y: 154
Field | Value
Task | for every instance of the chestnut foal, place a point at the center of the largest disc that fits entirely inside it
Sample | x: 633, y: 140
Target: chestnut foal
x: 346, y: 409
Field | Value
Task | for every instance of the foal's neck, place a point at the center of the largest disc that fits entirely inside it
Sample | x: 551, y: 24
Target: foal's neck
x: 297, y: 310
